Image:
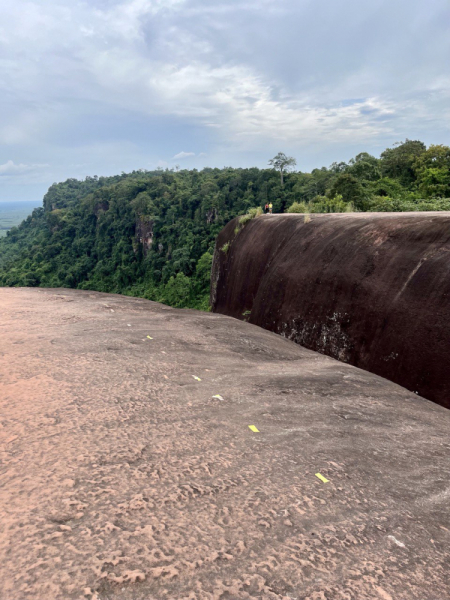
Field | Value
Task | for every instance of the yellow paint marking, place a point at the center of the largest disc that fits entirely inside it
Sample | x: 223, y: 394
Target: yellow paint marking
x: 218, y: 397
x: 150, y: 338
x: 253, y: 428
x: 196, y: 378
x: 322, y: 478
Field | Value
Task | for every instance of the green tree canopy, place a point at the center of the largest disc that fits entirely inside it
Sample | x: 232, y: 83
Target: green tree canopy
x: 432, y: 169
x: 398, y: 162
x: 350, y: 189
x: 152, y: 233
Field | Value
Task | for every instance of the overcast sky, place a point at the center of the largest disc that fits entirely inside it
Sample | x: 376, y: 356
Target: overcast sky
x: 100, y: 87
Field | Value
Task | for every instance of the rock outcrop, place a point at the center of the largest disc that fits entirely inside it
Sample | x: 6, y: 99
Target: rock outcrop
x: 129, y: 470
x: 370, y: 289
x: 144, y: 234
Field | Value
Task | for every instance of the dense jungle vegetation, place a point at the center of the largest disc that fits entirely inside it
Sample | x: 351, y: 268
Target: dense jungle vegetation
x: 152, y: 233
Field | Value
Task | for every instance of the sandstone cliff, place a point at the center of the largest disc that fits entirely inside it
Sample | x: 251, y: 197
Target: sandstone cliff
x: 370, y: 289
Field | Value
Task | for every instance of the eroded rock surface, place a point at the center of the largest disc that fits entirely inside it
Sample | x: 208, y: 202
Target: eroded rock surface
x: 370, y: 289
x: 123, y: 478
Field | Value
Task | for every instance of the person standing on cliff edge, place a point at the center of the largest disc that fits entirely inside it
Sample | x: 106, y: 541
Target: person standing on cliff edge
x: 266, y: 208
x: 270, y: 208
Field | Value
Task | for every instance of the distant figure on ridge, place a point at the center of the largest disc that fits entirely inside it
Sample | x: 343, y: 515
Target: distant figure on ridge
x: 266, y: 208
x: 270, y: 208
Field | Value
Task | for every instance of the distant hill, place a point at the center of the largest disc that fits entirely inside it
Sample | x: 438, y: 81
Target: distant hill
x: 152, y: 233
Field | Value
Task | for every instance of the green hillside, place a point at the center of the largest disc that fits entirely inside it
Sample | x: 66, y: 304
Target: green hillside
x: 152, y: 233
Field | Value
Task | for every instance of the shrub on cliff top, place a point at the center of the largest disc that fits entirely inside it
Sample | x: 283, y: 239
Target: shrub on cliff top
x: 386, y: 204
x: 244, y: 219
x: 252, y: 214
x: 322, y: 204
x: 298, y: 207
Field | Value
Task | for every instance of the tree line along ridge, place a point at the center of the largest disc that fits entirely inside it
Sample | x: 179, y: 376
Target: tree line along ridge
x: 152, y: 233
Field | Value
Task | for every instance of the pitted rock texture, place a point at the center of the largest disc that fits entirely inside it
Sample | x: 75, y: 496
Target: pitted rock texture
x: 123, y: 479
x: 369, y: 289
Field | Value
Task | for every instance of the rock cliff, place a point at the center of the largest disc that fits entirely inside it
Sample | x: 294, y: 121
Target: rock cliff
x: 370, y: 289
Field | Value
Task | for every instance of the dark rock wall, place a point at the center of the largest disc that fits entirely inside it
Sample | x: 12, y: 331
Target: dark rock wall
x: 370, y: 289
x: 144, y: 234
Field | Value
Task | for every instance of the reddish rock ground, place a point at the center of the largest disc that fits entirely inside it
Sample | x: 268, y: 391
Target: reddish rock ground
x: 123, y: 478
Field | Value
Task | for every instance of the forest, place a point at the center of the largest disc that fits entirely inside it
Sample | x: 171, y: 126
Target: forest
x: 152, y: 233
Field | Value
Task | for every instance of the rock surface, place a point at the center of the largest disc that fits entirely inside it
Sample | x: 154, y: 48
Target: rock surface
x: 370, y: 289
x: 123, y: 478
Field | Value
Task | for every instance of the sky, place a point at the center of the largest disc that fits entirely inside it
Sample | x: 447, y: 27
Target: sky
x: 105, y: 86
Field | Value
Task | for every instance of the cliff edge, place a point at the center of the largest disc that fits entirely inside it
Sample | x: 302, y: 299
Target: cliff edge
x: 370, y: 289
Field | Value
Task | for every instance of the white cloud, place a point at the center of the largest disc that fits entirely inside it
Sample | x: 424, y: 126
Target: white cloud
x: 183, y: 77
x: 10, y: 168
x: 359, y: 74
x: 183, y: 155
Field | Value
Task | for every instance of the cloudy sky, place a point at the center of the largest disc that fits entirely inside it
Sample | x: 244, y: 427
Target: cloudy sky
x: 100, y: 87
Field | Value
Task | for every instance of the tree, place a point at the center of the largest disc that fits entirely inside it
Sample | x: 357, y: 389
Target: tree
x: 177, y: 290
x: 364, y: 167
x: 398, y: 162
x: 282, y: 163
x: 339, y: 167
x: 203, y: 271
x: 432, y: 169
x: 350, y: 189
x: 386, y: 187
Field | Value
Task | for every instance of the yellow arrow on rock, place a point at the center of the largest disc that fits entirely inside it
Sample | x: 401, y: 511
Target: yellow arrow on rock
x: 253, y: 428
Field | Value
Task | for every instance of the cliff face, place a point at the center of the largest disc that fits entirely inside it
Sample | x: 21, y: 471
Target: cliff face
x: 144, y: 234
x: 370, y: 289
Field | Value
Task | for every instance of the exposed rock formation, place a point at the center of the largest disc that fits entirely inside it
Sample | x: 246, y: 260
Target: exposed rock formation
x: 124, y: 478
x: 100, y: 207
x: 370, y: 289
x: 144, y: 234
